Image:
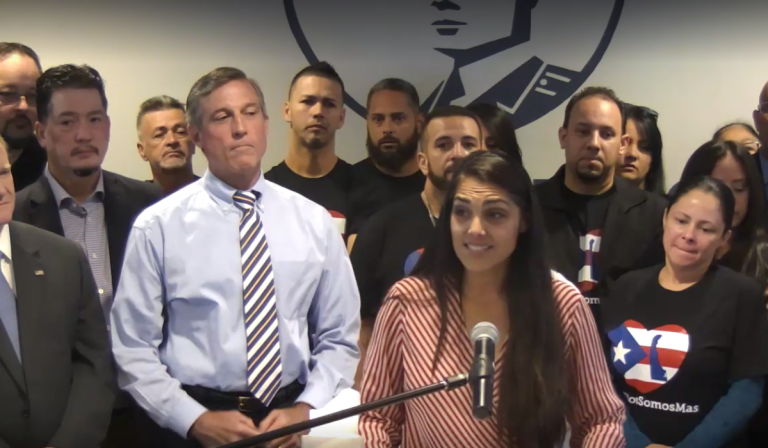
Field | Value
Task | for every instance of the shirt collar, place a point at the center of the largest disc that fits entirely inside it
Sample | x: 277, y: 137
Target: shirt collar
x: 222, y: 193
x: 61, y: 194
x: 5, y: 242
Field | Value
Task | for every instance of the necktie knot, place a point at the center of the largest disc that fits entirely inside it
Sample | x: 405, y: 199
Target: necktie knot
x: 245, y: 200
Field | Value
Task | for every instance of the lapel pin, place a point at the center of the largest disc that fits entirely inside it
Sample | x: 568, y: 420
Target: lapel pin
x: 39, y: 272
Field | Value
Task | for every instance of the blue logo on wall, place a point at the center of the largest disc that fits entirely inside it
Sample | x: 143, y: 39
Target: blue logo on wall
x: 526, y: 56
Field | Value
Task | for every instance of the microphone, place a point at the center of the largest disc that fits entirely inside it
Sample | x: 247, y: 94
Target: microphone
x: 484, y: 337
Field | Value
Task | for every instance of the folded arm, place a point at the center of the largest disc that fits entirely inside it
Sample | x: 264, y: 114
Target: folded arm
x: 635, y: 437
x: 728, y: 417
x: 89, y: 409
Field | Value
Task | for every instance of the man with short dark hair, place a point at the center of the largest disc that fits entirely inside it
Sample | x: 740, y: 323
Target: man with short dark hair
x: 238, y: 311
x: 391, y: 171
x: 314, y: 112
x: 392, y: 240
x: 164, y: 142
x: 77, y: 199
x: 599, y: 226
x: 19, y: 70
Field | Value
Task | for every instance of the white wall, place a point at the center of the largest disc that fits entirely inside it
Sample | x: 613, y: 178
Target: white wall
x: 698, y: 66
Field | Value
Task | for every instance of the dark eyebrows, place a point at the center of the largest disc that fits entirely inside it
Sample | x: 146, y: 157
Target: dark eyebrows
x: 487, y: 202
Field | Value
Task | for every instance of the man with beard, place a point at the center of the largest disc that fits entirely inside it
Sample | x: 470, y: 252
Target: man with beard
x: 19, y: 70
x: 314, y: 112
x: 165, y: 144
x: 77, y: 199
x: 391, y: 171
x: 390, y: 243
x: 599, y: 226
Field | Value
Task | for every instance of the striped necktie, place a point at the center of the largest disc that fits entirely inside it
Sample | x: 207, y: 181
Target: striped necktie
x: 260, y: 311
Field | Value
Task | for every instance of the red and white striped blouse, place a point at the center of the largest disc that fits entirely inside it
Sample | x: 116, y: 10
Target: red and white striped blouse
x: 400, y: 359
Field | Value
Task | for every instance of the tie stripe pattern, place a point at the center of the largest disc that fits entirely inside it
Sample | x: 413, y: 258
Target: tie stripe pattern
x: 260, y: 311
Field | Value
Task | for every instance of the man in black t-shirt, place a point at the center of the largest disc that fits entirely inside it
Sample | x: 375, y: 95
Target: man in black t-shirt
x: 19, y: 71
x: 315, y: 111
x: 389, y: 245
x: 391, y: 171
x: 598, y: 226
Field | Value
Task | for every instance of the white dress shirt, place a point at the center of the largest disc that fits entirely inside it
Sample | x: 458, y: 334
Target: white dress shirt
x: 6, y: 261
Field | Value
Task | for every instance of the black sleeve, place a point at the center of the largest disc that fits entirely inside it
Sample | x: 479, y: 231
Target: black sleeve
x: 86, y: 418
x: 356, y: 222
x: 749, y: 357
x: 654, y: 252
x: 364, y: 257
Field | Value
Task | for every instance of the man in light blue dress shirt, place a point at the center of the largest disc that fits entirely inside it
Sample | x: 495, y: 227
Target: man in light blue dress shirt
x: 179, y: 317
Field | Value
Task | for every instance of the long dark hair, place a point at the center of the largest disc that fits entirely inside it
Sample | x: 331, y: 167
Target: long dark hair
x: 535, y: 381
x: 701, y: 163
x: 501, y: 130
x: 646, y: 123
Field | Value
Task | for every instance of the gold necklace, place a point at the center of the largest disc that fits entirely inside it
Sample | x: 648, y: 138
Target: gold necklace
x: 432, y: 217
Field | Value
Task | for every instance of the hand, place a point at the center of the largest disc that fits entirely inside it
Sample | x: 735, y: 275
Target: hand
x: 216, y: 428
x: 280, y: 418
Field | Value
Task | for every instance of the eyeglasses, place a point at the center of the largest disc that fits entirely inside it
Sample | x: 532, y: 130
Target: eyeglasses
x: 751, y: 145
x: 763, y: 108
x: 9, y: 98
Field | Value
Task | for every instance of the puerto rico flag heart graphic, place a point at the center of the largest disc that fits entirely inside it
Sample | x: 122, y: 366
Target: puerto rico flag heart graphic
x: 340, y: 221
x: 648, y: 359
x: 411, y: 261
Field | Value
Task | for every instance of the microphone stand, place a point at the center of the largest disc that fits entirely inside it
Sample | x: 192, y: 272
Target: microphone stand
x: 450, y: 383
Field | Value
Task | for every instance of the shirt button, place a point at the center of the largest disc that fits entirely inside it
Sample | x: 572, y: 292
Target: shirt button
x: 25, y: 413
x: 94, y: 256
x: 101, y: 291
x: 109, y: 328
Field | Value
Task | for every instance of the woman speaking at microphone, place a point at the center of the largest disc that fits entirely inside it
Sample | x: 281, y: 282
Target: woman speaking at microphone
x: 689, y: 339
x: 485, y: 264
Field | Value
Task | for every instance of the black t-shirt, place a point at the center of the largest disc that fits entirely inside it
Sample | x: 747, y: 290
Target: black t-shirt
x: 372, y: 190
x: 330, y: 191
x: 588, y: 218
x: 673, y: 353
x: 387, y: 249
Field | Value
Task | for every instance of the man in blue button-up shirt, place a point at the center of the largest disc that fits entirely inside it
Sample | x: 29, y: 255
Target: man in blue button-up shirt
x: 178, y: 317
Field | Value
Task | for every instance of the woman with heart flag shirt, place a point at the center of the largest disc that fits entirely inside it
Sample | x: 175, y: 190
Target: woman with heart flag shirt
x: 689, y: 339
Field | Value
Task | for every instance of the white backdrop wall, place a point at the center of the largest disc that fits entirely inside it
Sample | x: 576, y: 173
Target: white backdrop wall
x: 699, y: 65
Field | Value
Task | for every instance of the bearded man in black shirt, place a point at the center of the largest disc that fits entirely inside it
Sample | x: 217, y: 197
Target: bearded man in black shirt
x: 390, y: 244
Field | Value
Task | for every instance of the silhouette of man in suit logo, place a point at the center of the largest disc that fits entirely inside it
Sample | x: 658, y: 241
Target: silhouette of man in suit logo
x: 526, y: 56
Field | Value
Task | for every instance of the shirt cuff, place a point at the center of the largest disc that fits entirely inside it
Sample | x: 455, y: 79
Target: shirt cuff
x: 184, y: 414
x: 315, y: 396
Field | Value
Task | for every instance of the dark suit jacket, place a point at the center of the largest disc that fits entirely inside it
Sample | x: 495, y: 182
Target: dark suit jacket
x: 124, y: 199
x: 29, y: 166
x: 631, y: 237
x: 61, y: 393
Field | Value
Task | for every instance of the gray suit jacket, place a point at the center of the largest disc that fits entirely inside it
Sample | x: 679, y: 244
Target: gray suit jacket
x: 61, y: 393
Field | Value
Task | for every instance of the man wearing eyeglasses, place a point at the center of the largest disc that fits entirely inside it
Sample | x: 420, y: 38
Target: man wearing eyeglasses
x: 19, y: 70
